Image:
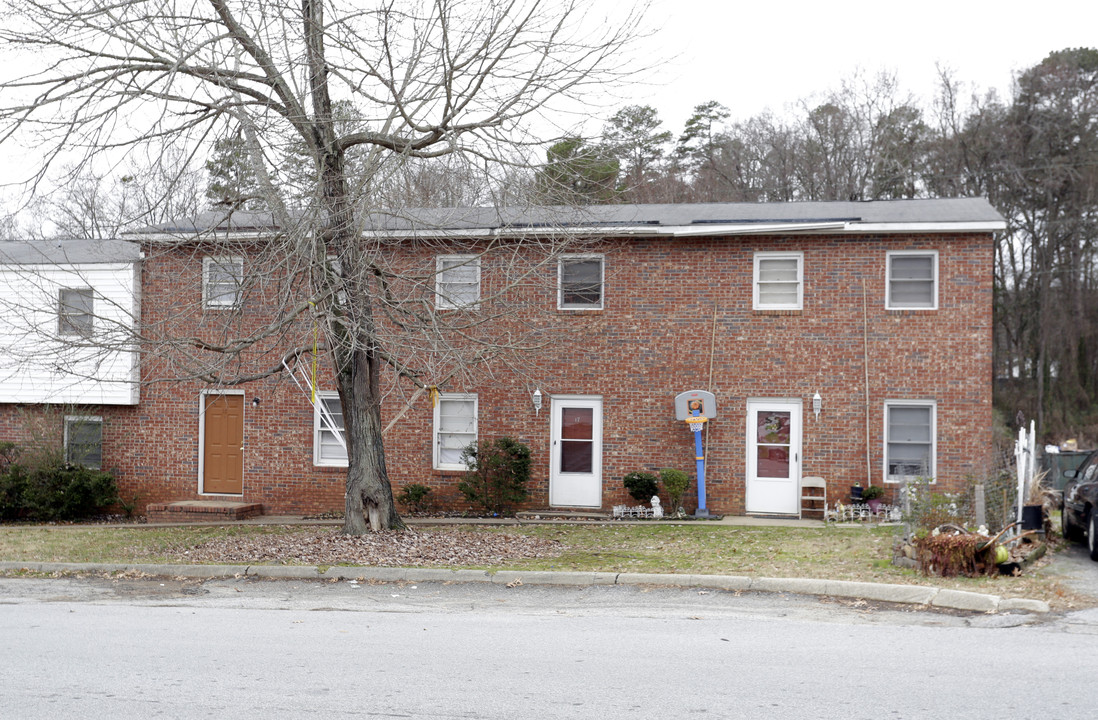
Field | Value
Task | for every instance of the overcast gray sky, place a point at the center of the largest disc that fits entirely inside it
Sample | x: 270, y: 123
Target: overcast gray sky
x: 754, y: 55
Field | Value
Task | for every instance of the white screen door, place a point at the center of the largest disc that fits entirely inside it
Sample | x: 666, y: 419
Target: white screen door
x: 575, y: 472
x: 773, y: 456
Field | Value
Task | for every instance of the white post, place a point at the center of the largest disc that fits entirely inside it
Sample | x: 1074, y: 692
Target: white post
x: 1020, y: 464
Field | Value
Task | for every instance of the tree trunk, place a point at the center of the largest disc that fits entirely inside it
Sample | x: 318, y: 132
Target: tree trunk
x: 369, y: 501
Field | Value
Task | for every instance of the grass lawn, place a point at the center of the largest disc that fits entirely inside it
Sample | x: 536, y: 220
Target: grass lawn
x: 840, y: 553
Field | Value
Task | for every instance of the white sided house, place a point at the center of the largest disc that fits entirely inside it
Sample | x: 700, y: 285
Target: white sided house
x: 68, y: 311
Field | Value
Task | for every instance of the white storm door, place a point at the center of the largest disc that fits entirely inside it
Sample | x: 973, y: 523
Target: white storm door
x: 575, y: 468
x: 773, y: 456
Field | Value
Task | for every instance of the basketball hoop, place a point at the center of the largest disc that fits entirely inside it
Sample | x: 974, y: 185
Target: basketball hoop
x: 696, y: 422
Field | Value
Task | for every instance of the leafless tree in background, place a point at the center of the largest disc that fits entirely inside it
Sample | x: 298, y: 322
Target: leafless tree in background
x: 330, y: 103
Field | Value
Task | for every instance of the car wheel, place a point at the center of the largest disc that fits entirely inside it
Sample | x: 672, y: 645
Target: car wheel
x: 1067, y: 528
x: 1092, y: 535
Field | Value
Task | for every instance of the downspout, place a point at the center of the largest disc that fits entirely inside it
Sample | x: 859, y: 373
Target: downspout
x: 865, y: 365
x: 709, y: 386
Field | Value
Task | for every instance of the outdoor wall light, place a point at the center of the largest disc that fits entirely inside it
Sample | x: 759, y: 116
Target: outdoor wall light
x: 255, y: 402
x: 817, y: 405
x: 537, y: 401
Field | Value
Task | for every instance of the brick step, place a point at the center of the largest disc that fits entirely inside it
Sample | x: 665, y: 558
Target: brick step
x: 201, y: 511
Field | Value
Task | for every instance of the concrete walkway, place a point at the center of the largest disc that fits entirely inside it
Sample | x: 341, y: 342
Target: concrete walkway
x: 880, y: 592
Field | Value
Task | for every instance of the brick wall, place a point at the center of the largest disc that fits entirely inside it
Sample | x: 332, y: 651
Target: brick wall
x: 678, y: 316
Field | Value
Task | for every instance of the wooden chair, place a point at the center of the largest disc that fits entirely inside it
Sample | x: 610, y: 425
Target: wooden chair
x: 814, y: 490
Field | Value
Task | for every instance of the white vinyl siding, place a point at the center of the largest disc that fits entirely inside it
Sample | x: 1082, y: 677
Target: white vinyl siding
x: 580, y: 282
x: 778, y: 281
x: 41, y: 362
x: 222, y: 278
x: 455, y: 428
x: 457, y: 281
x: 84, y: 441
x: 910, y: 440
x: 327, y: 449
x: 912, y: 280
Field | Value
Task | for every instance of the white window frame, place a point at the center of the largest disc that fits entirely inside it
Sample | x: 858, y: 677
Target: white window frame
x: 435, y: 461
x: 933, y: 405
x: 756, y: 281
x: 933, y: 254
x: 213, y: 303
x: 561, y: 305
x: 97, y: 419
x: 444, y: 299
x: 70, y: 321
x: 320, y: 428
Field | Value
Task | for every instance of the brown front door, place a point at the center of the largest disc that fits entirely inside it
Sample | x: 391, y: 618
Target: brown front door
x: 223, y: 445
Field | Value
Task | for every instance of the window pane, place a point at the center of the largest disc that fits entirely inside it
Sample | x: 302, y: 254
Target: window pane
x: 778, y: 269
x: 223, y: 279
x: 329, y: 451
x: 581, y: 282
x: 456, y: 416
x: 773, y: 462
x: 773, y: 428
x: 913, y: 268
x: 911, y: 281
x: 458, y: 281
x: 75, y: 310
x: 910, y: 441
x: 778, y: 294
x: 909, y: 424
x: 577, y: 423
x: 576, y: 455
x: 84, y: 442
x: 913, y: 293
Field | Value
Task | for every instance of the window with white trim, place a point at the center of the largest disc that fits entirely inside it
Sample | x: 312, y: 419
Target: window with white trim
x: 84, y: 441
x: 455, y: 429
x: 75, y: 311
x: 326, y: 448
x: 910, y: 440
x: 457, y: 281
x: 778, y: 281
x: 580, y: 282
x: 912, y: 280
x: 222, y: 278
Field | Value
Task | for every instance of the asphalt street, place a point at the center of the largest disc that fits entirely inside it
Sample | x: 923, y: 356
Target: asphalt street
x: 248, y: 647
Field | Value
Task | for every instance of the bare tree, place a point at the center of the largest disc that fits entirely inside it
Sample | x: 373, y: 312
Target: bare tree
x: 426, y: 80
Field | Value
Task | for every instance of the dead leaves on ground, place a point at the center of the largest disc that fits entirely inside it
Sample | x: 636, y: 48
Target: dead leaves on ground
x: 386, y: 549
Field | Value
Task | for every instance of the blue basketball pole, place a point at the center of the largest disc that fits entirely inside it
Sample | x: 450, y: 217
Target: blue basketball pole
x: 699, y: 457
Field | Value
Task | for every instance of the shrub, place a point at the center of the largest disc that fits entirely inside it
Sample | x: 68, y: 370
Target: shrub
x: 641, y: 485
x: 68, y: 492
x: 54, y: 492
x: 415, y: 497
x: 676, y: 483
x: 498, y: 472
x: 13, y: 490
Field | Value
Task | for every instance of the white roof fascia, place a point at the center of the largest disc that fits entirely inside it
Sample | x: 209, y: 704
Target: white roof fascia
x: 937, y: 227
x: 699, y: 230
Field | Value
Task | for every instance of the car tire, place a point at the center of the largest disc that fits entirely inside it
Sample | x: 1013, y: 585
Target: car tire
x: 1092, y: 535
x: 1067, y: 528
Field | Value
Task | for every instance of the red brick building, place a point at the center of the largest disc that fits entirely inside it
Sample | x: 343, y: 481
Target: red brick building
x: 882, y: 309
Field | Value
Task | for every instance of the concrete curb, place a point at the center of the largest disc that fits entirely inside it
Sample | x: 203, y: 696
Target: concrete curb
x: 903, y: 594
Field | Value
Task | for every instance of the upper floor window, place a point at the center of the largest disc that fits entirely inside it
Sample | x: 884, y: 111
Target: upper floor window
x: 84, y: 441
x: 327, y: 422
x: 912, y: 280
x: 778, y: 281
x: 222, y: 278
x: 75, y: 310
x: 580, y: 282
x: 457, y: 281
x: 910, y: 434
x: 455, y: 429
